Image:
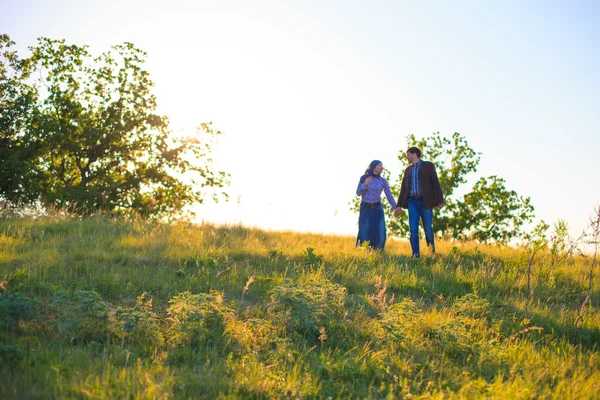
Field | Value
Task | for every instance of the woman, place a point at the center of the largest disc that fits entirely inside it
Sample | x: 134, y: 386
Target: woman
x: 371, y: 221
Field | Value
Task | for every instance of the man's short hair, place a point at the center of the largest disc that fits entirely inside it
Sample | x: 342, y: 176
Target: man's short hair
x: 415, y: 150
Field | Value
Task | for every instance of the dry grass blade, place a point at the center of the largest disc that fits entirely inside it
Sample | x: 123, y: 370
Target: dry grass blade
x: 526, y: 330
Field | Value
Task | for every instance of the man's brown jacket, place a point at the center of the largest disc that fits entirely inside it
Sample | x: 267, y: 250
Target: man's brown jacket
x: 431, y: 190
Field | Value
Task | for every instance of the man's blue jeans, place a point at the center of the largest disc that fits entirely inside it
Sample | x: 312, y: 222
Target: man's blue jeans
x: 416, y: 212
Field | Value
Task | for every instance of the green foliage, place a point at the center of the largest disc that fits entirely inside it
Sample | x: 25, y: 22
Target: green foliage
x: 138, y: 325
x: 23, y: 283
x: 471, y: 306
x: 311, y: 257
x: 559, y: 241
x: 561, y: 244
x: 452, y: 338
x: 489, y: 212
x: 407, y: 326
x: 252, y: 336
x: 275, y: 254
x: 99, y: 380
x: 197, y: 320
x: 82, y: 132
x: 16, y: 99
x: 287, y: 375
x: 309, y: 305
x: 10, y: 355
x: 537, y: 239
x: 14, y: 308
x: 399, y: 319
x: 82, y: 316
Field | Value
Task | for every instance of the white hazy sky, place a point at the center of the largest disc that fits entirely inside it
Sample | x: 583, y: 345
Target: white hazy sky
x: 309, y: 92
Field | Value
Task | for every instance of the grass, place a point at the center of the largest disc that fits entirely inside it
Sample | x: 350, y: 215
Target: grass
x: 99, y: 308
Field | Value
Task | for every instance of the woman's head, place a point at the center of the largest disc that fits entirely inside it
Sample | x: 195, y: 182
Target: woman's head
x: 375, y: 168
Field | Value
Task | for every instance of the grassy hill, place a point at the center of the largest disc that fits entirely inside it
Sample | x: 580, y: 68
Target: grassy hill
x: 111, y: 309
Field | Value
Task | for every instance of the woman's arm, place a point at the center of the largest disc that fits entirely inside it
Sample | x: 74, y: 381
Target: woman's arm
x: 362, y: 186
x: 361, y: 189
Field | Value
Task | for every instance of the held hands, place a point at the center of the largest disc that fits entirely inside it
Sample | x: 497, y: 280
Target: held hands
x: 398, y: 211
x: 368, y: 180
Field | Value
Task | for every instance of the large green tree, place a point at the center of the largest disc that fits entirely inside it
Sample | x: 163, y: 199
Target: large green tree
x: 488, y: 212
x: 84, y: 132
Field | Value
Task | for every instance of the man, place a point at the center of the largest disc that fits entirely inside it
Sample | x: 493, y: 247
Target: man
x: 419, y: 193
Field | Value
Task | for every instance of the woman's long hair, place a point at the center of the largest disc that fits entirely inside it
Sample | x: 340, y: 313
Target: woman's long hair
x: 369, y: 171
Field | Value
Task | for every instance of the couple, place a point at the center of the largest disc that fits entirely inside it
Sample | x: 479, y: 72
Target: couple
x: 419, y: 193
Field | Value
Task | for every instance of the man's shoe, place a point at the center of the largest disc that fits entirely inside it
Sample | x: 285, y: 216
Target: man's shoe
x: 432, y: 246
x: 415, y: 256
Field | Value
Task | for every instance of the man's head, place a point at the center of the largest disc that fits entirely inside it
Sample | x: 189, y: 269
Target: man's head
x: 413, y: 155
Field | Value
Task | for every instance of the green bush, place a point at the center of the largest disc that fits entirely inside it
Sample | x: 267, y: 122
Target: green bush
x: 10, y: 355
x: 471, y: 306
x: 255, y: 335
x: 406, y: 325
x: 400, y: 320
x: 452, y: 337
x: 309, y: 305
x: 138, y: 325
x: 82, y: 316
x: 197, y: 320
x: 14, y: 308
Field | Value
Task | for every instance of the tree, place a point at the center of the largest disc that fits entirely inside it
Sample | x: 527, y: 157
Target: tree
x: 16, y: 101
x: 488, y: 213
x: 84, y: 132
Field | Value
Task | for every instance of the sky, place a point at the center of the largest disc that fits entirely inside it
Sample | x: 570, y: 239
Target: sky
x: 307, y: 93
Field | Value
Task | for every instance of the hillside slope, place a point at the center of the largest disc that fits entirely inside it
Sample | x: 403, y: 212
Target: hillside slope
x: 111, y: 309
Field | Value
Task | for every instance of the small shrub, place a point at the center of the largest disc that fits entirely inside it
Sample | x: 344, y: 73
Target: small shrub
x: 82, y: 316
x: 451, y: 337
x: 138, y: 325
x: 399, y: 321
x: 11, y: 355
x: 405, y: 324
x: 14, y: 308
x: 196, y: 320
x: 310, y: 305
x: 471, y: 306
x: 254, y: 335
